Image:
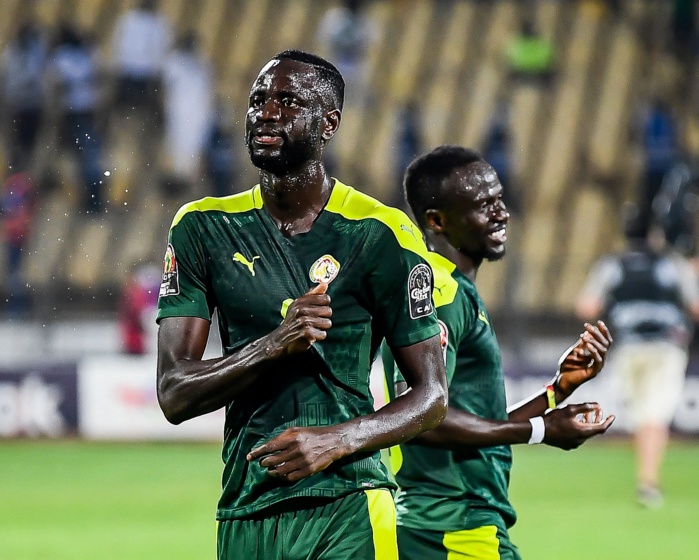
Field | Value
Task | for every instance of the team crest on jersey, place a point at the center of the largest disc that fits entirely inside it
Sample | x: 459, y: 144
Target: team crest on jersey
x: 170, y: 285
x: 420, y: 291
x: 443, y: 339
x: 325, y: 269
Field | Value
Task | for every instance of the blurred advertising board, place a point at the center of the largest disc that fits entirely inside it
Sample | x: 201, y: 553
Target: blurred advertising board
x: 113, y: 397
x: 39, y: 401
x: 118, y: 402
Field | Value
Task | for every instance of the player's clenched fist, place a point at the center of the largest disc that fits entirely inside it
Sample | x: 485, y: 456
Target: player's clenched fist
x: 570, y: 426
x: 307, y: 321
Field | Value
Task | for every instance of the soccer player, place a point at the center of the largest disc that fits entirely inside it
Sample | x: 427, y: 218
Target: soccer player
x: 302, y: 475
x: 454, y: 479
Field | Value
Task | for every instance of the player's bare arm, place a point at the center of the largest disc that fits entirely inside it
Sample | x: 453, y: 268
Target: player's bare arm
x: 567, y: 427
x: 188, y: 386
x: 300, y: 452
x: 564, y: 427
x: 579, y: 364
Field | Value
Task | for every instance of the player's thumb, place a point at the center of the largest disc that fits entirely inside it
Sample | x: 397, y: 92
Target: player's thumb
x: 319, y: 289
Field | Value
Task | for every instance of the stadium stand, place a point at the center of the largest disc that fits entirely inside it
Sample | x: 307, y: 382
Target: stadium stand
x: 574, y: 161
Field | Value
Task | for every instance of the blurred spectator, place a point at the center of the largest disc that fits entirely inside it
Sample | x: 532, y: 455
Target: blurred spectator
x: 137, y: 308
x: 409, y: 145
x: 616, y: 8
x: 684, y: 28
x: 497, y: 151
x: 17, y: 211
x: 141, y: 41
x: 651, y: 297
x: 219, y: 154
x: 675, y: 207
x: 73, y: 72
x: 188, y: 109
x: 659, y: 139
x: 345, y: 34
x: 23, y: 64
x: 531, y: 56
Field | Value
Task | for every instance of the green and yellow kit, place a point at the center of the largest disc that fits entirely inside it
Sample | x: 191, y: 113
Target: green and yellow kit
x: 461, y: 496
x: 227, y: 254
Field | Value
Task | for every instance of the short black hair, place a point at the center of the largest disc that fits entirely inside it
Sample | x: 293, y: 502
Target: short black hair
x: 326, y: 70
x: 425, y: 176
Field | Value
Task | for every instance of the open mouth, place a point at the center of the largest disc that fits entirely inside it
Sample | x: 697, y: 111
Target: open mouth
x: 499, y: 235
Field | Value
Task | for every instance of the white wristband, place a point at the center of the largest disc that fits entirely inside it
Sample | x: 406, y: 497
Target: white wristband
x: 538, y: 430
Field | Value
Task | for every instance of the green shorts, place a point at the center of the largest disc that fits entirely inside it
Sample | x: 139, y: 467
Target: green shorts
x: 482, y: 543
x: 359, y: 526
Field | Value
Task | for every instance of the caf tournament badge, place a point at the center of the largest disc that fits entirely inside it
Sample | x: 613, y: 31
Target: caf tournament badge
x: 170, y: 285
x: 420, y: 291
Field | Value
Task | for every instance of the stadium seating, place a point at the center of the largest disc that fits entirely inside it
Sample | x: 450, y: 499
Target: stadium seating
x: 574, y: 161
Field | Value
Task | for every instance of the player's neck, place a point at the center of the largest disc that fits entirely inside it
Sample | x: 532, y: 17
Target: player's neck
x: 295, y: 200
x: 467, y: 265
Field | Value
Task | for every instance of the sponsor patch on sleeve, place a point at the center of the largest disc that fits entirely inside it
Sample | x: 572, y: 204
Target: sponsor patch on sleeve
x: 420, y: 291
x: 170, y: 285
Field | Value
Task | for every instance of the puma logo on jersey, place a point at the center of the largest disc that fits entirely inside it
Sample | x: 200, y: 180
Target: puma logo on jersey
x: 483, y: 317
x: 403, y: 227
x: 238, y: 257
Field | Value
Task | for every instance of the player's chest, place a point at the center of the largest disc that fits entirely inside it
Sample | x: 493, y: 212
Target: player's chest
x: 255, y: 275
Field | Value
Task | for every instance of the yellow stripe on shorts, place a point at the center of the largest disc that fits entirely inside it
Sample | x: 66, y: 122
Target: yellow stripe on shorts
x: 382, y: 515
x: 473, y: 544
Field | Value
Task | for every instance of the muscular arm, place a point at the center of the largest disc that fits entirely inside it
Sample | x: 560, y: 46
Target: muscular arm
x: 564, y: 429
x: 301, y: 452
x: 422, y: 408
x: 579, y: 364
x: 188, y: 386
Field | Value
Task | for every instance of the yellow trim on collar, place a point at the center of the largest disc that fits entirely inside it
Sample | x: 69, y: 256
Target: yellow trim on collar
x: 236, y: 203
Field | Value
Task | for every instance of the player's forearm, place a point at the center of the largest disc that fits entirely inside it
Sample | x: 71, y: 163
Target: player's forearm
x: 461, y: 429
x: 537, y: 404
x: 418, y: 410
x: 188, y: 388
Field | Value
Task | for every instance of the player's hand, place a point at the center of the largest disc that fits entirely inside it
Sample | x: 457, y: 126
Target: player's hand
x: 298, y: 453
x: 570, y: 426
x: 585, y: 359
x: 306, y: 322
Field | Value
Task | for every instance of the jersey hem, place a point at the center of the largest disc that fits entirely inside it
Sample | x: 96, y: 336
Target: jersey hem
x: 472, y: 520
x: 227, y: 514
x: 443, y: 527
x: 479, y: 516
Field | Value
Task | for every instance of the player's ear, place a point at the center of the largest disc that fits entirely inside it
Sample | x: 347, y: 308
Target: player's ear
x: 434, y: 220
x: 331, y: 122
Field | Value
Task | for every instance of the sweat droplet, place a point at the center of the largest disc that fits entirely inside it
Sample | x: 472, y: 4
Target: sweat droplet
x: 107, y: 173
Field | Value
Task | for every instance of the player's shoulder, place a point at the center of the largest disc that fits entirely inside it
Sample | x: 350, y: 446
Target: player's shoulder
x: 355, y: 205
x: 233, y: 204
x: 455, y: 296
x: 446, y: 287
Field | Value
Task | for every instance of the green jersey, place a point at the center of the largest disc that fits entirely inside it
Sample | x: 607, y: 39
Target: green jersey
x: 228, y: 254
x: 453, y: 490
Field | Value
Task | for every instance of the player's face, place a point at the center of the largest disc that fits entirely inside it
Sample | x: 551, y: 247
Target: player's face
x: 476, y: 221
x: 283, y: 125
